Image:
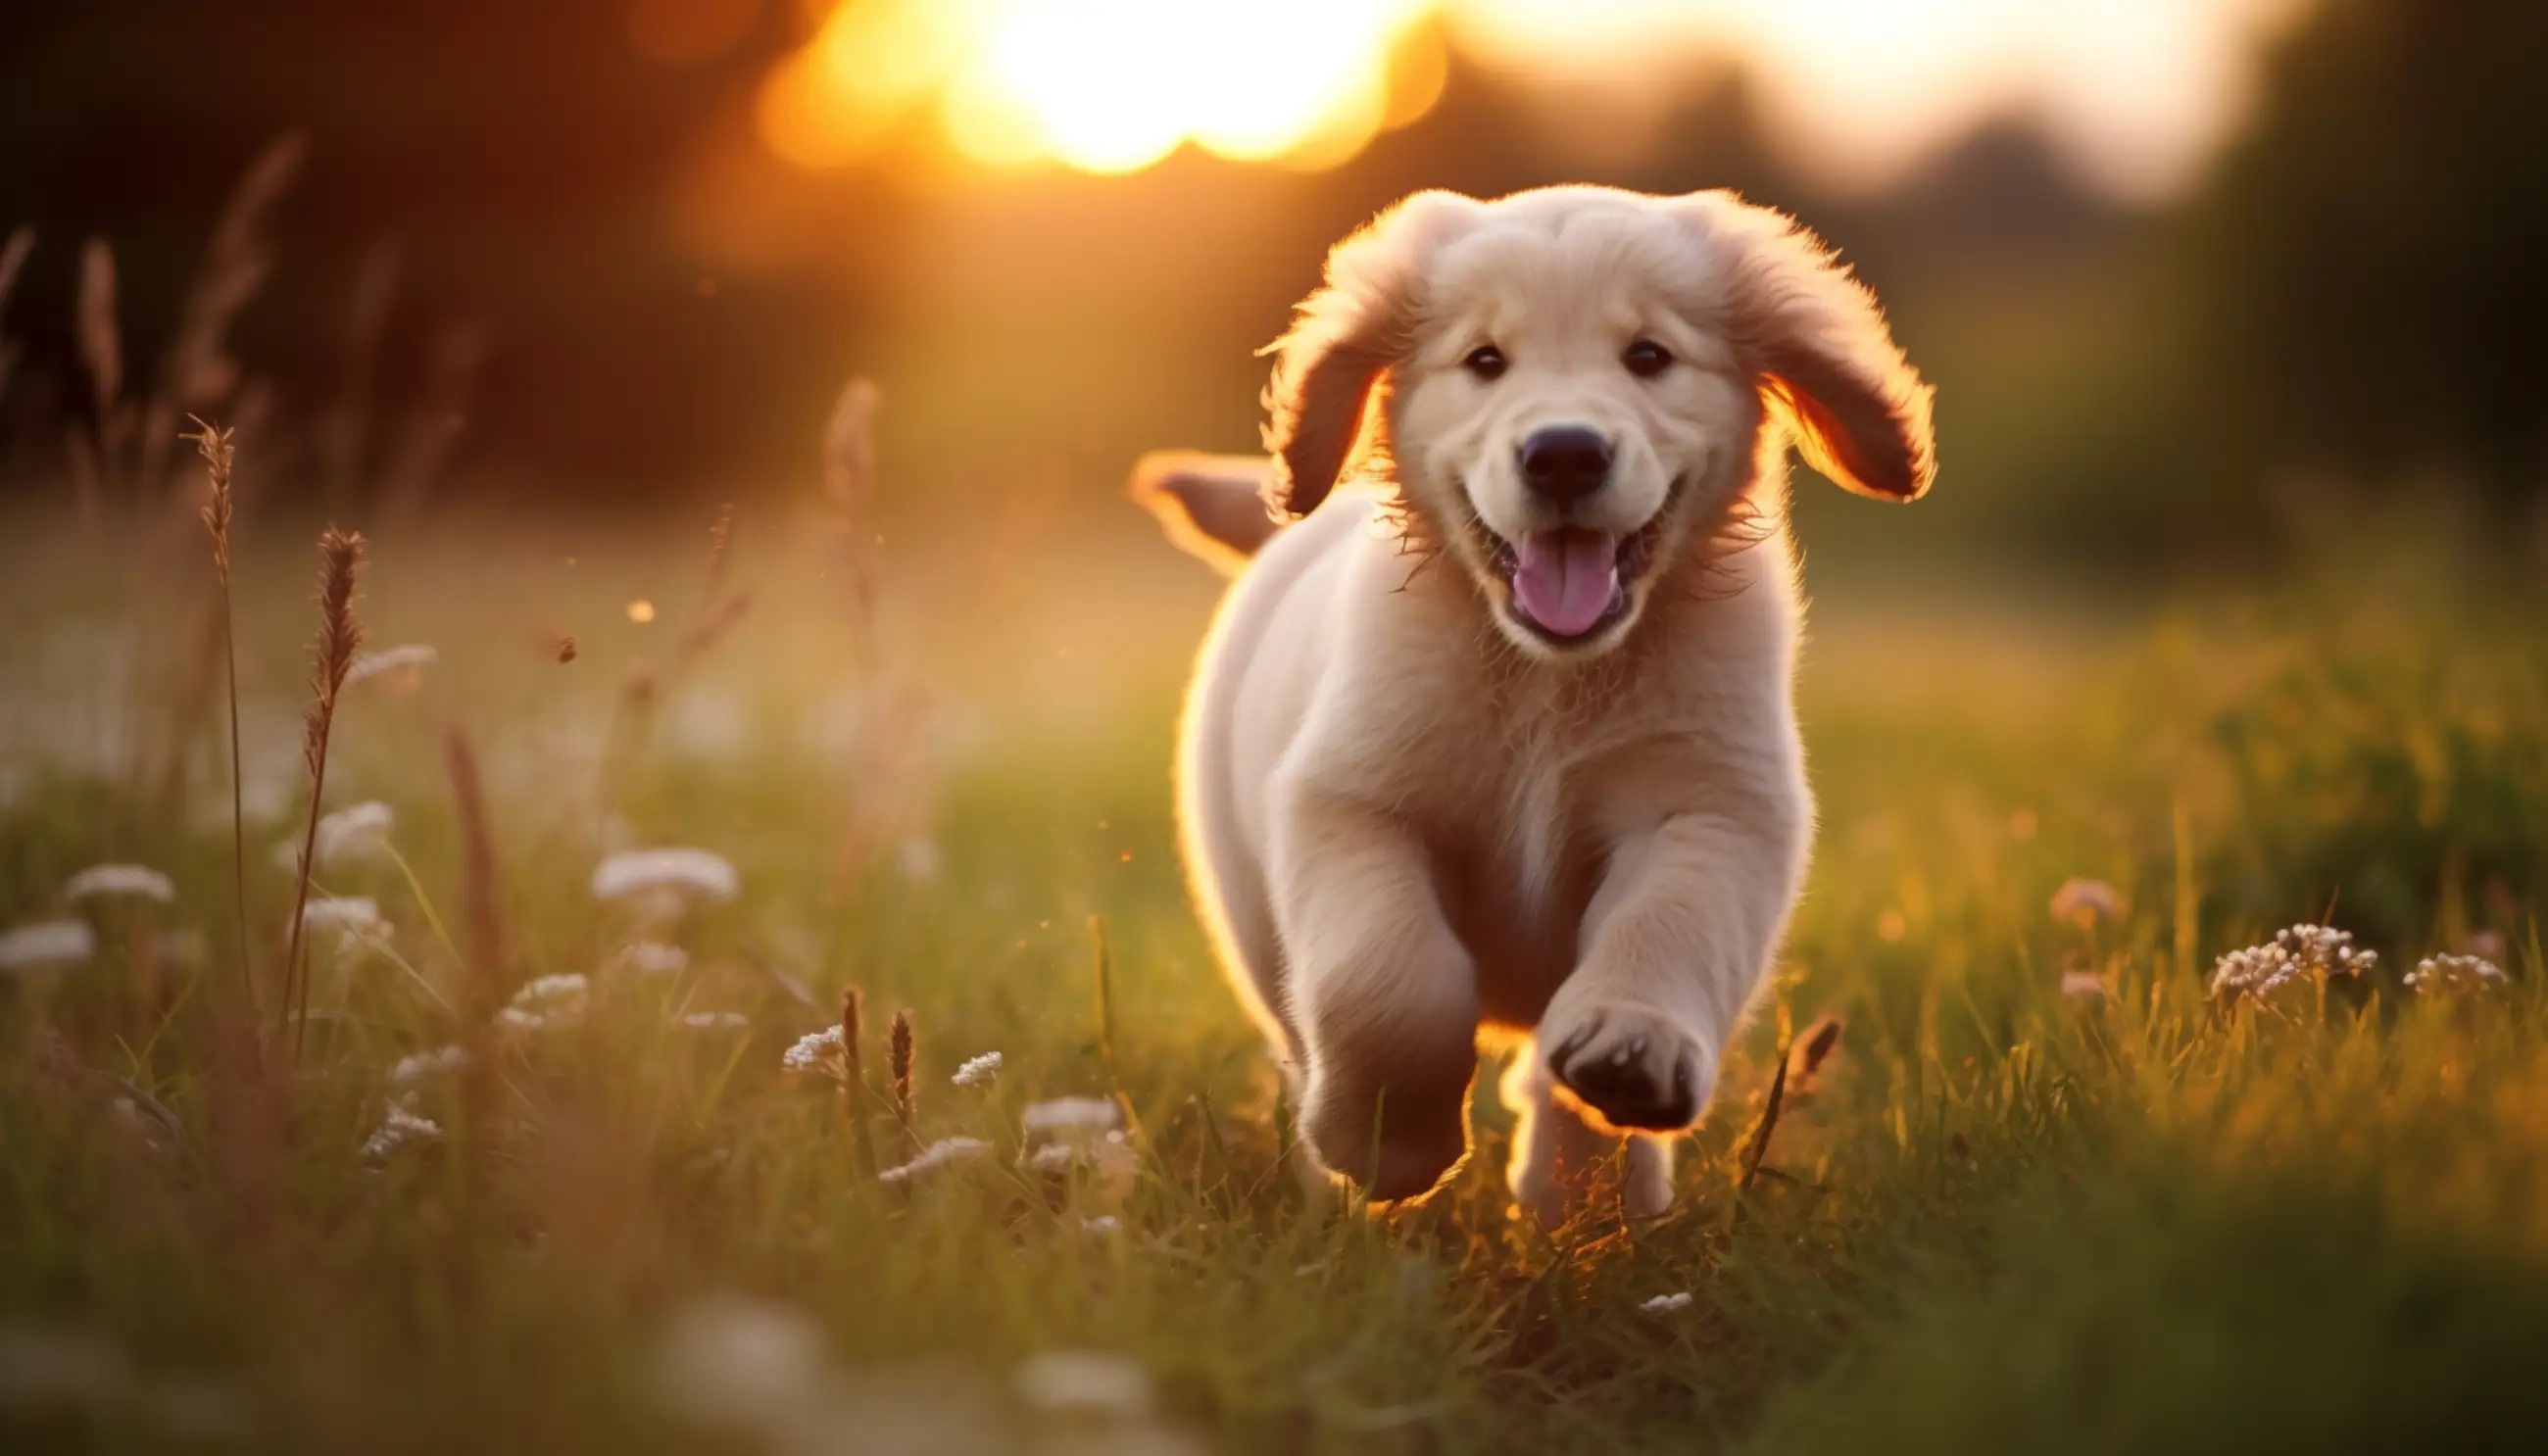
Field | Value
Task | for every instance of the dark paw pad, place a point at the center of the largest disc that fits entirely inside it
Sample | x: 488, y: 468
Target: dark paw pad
x: 1628, y: 1080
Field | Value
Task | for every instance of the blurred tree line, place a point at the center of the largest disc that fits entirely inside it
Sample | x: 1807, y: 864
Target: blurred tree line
x: 2369, y: 264
x: 2353, y: 292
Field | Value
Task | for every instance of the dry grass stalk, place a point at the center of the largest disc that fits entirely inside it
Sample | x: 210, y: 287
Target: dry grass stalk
x: 712, y: 628
x: 1102, y: 965
x: 341, y: 636
x: 198, y: 373
x: 483, y: 973
x: 1811, y: 1049
x: 632, y: 725
x: 252, y: 414
x: 1757, y: 1147
x: 715, y: 611
x: 13, y: 261
x: 849, y: 488
x: 854, y: 1002
x: 720, y: 542
x: 218, y: 457
x: 95, y: 460
x: 849, y: 449
x: 347, y: 430
x: 892, y: 792
x: 853, y: 1088
x: 191, y: 692
x: 900, y: 1052
x: 482, y: 914
x: 890, y: 796
x: 247, y: 1133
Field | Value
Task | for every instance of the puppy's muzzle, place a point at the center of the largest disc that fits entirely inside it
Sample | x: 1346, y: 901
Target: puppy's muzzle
x: 1564, y: 463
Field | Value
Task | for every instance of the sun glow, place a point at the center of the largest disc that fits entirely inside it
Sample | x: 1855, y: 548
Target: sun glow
x: 1857, y: 90
x: 1103, y: 85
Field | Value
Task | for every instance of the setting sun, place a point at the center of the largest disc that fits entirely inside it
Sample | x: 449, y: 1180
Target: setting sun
x: 1858, y: 90
x: 1099, y: 85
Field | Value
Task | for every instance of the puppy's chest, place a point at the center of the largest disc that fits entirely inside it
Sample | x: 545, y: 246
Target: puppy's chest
x: 1519, y: 837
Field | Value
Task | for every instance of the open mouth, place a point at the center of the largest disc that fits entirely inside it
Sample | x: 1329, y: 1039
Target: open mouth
x: 1571, y: 582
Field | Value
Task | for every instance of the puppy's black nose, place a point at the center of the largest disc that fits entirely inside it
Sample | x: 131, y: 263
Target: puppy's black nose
x: 1564, y: 463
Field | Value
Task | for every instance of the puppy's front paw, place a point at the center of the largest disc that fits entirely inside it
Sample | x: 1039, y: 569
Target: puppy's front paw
x: 1414, y: 1150
x: 1634, y: 1065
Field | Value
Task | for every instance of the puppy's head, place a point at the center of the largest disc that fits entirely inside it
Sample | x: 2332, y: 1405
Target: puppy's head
x: 1569, y: 387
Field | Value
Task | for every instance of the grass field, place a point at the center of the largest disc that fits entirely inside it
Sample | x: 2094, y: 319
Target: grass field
x: 2045, y: 1194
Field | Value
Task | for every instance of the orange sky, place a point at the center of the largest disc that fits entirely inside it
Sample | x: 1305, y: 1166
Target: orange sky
x: 2137, y: 92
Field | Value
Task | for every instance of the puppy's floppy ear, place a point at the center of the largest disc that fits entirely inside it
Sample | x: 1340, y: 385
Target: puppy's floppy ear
x: 1815, y: 339
x: 1344, y: 337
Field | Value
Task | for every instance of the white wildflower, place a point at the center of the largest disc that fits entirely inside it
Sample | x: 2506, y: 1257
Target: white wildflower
x: 1102, y: 1223
x: 137, y: 880
x: 2300, y: 952
x: 2086, y: 903
x: 548, y: 990
x: 1073, y: 1115
x: 265, y: 800
x: 731, y: 1360
x: 935, y: 1156
x: 653, y: 958
x: 354, y: 833
x: 413, y: 658
x: 716, y: 1021
x: 694, y: 872
x: 417, y: 1066
x: 2083, y: 985
x: 708, y: 725
x: 182, y: 947
x: 1665, y: 1304
x: 351, y: 914
x: 399, y: 1130
x: 918, y: 859
x: 547, y: 1002
x: 2449, y: 972
x: 47, y: 945
x: 980, y: 1071
x: 1085, y: 1383
x: 1079, y: 1132
x: 817, y: 1051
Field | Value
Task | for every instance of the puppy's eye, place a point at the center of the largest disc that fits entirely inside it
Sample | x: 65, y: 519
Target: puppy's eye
x: 1485, y: 361
x: 1644, y: 358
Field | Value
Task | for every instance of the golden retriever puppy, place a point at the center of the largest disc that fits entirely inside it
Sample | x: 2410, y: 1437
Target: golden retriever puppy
x: 1493, y: 736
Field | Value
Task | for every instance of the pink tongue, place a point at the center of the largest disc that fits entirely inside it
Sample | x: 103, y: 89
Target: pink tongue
x: 1565, y: 578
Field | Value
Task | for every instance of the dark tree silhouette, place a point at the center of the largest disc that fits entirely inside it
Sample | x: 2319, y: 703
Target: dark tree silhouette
x: 2370, y: 264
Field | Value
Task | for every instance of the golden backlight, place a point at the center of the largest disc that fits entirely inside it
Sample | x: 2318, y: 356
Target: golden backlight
x: 1103, y: 85
x: 2137, y: 90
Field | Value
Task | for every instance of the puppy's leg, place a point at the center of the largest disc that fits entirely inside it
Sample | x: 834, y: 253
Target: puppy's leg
x: 1649, y: 1194
x: 1676, y: 940
x: 1382, y: 995
x: 1558, y: 1157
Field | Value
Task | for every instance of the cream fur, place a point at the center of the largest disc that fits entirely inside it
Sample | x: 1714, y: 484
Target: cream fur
x: 1410, y: 819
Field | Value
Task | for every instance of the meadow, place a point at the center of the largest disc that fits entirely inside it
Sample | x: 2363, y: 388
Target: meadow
x: 540, y: 1167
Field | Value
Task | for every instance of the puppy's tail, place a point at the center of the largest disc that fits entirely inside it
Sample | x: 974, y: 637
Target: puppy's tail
x: 1212, y: 506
